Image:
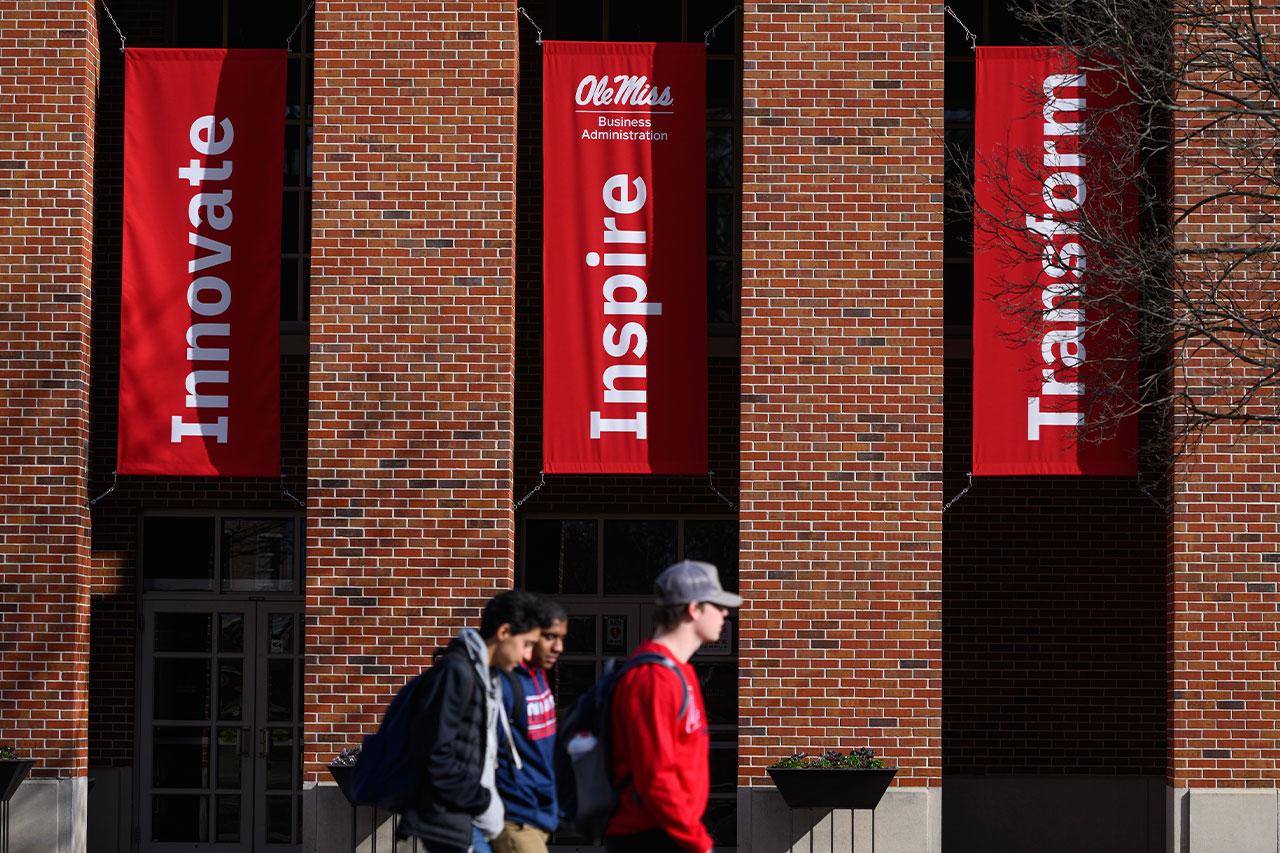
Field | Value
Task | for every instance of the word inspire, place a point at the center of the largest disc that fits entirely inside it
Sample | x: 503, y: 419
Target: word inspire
x: 1062, y: 258
x: 208, y: 295
x: 632, y: 337
x: 630, y: 91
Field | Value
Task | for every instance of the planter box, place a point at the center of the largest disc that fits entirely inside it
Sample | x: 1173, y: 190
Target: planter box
x: 12, y: 772
x: 831, y: 787
x: 341, y: 774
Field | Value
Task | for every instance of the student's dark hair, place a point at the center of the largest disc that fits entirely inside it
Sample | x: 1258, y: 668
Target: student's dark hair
x: 552, y: 611
x: 515, y: 607
x: 669, y: 616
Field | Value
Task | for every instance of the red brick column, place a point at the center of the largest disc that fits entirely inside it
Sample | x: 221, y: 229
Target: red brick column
x: 409, y: 512
x: 49, y: 56
x: 841, y: 385
x: 1224, y: 534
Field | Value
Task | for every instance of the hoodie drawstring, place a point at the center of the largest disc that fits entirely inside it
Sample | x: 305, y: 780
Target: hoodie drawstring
x: 511, y: 741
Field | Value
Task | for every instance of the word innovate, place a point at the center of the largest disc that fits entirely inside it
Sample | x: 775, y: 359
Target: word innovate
x: 632, y: 337
x: 208, y: 295
x: 1062, y: 257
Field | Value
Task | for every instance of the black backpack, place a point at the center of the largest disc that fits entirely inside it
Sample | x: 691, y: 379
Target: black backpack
x: 384, y: 774
x: 584, y: 779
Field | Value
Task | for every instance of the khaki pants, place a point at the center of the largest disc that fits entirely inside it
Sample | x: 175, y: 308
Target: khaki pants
x: 520, y: 838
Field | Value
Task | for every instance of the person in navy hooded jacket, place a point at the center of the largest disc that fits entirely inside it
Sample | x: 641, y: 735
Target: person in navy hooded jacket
x: 529, y: 793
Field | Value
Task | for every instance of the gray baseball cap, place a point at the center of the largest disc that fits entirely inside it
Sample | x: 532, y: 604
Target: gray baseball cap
x: 691, y: 580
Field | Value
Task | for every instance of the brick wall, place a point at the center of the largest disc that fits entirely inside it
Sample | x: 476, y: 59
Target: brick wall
x: 409, y: 517
x: 1224, y: 631
x: 1053, y: 618
x: 48, y: 77
x: 842, y: 383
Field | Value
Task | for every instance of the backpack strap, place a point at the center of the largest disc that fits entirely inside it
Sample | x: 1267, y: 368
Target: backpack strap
x: 517, y: 694
x: 653, y: 657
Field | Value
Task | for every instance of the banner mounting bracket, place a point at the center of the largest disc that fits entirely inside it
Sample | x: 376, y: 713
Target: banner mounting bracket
x: 521, y: 10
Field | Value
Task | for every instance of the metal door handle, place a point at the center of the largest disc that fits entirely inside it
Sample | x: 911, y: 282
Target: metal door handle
x: 262, y: 743
x: 244, y: 740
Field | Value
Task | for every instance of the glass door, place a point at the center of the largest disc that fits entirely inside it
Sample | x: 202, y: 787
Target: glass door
x: 220, y: 727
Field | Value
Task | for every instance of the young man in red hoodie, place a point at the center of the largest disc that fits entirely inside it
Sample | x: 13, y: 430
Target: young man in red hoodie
x: 659, y: 753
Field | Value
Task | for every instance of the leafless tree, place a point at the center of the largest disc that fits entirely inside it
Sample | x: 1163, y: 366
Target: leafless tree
x: 1195, y: 286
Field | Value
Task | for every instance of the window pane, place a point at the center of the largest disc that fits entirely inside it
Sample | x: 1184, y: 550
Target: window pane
x: 280, y: 760
x: 230, y: 689
x: 957, y: 284
x: 198, y: 23
x: 653, y: 20
x: 720, y: 165
x: 719, y: 682
x: 719, y: 224
x: 280, y: 687
x: 183, y: 632
x: 231, y: 638
x: 579, y: 20
x: 179, y: 817
x: 280, y: 820
x: 714, y: 541
x: 229, y: 758
x: 571, y: 681
x: 177, y: 552
x: 228, y: 818
x: 181, y: 689
x: 720, y: 290
x: 635, y: 553
x: 560, y: 556
x: 580, y: 639
x: 257, y: 554
x: 181, y: 757
x: 721, y: 99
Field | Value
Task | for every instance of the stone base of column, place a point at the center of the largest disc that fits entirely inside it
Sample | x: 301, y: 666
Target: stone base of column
x: 49, y: 816
x: 1218, y: 820
x: 908, y: 820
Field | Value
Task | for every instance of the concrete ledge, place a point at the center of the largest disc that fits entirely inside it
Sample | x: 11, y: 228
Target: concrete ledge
x: 1218, y: 820
x: 1054, y: 814
x: 49, y: 816
x: 327, y: 823
x: 908, y: 820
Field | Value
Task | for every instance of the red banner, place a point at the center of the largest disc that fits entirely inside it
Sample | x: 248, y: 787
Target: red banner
x: 1054, y: 170
x: 624, y: 258
x: 200, y: 302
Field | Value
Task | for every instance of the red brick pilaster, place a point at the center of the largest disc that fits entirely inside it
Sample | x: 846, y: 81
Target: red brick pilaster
x: 412, y: 312
x: 48, y: 81
x: 842, y: 384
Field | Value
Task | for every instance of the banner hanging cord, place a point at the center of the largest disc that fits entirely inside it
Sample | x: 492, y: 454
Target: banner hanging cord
x: 968, y: 33
x: 115, y: 478
x: 288, y: 46
x: 963, y: 492
x: 711, y: 478
x: 521, y: 10
x: 121, y: 34
x: 707, y: 34
x: 542, y: 480
x: 290, y: 494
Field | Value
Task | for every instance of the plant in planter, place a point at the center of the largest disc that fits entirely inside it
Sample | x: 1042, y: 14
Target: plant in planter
x: 341, y: 768
x: 12, y: 771
x: 832, y: 779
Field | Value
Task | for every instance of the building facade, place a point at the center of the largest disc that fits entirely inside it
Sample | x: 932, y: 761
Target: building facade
x: 1051, y: 663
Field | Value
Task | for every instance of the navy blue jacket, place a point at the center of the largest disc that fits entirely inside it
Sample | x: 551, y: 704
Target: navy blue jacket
x: 529, y: 794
